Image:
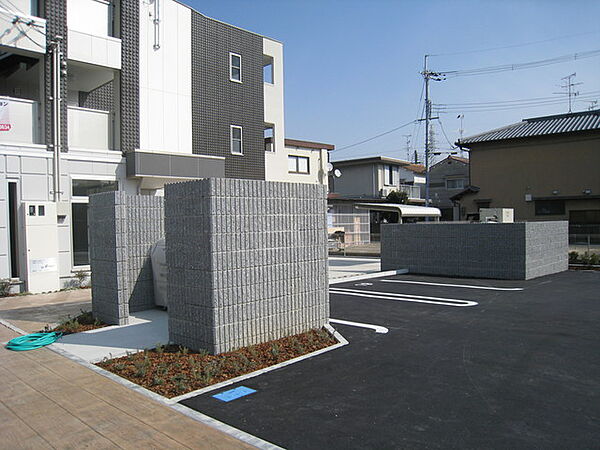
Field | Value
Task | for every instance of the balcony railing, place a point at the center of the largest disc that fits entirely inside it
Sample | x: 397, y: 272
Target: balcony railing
x: 90, y: 129
x: 411, y: 191
x: 19, y: 121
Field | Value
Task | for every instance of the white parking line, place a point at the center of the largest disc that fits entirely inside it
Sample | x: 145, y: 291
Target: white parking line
x: 404, y: 297
x: 377, y: 328
x: 467, y: 286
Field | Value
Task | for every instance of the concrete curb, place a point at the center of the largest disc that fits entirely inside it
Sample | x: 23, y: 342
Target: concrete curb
x: 387, y: 273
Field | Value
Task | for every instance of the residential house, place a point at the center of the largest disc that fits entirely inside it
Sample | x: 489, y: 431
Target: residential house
x: 369, y: 180
x: 546, y: 168
x: 101, y: 95
x: 306, y: 161
x: 447, y: 178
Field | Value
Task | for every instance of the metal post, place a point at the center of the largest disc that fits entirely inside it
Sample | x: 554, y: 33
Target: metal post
x: 56, y: 122
x: 427, y: 118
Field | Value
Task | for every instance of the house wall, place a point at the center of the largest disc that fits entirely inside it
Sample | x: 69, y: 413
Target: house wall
x: 317, y: 166
x: 506, y: 172
x: 357, y: 180
x: 438, y: 174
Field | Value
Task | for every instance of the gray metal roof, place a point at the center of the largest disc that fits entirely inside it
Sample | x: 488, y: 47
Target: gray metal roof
x: 540, y: 126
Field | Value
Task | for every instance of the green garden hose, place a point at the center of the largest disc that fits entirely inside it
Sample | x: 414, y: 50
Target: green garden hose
x: 32, y: 341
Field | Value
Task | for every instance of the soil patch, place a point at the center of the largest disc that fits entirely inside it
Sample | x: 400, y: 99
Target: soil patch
x: 172, y: 370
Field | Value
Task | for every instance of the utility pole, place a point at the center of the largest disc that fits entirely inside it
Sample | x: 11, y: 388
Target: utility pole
x: 461, y: 130
x: 407, y: 137
x: 427, y: 75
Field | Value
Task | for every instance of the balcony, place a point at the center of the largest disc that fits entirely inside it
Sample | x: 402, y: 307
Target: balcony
x: 413, y: 192
x: 92, y: 36
x: 19, y: 121
x: 90, y: 129
x: 21, y: 29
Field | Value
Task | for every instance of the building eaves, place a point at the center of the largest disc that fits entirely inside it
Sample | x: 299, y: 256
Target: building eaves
x: 539, y: 126
x: 371, y: 159
x: 308, y: 144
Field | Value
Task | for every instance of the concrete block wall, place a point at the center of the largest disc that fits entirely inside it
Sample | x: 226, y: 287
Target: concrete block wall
x: 513, y: 251
x: 547, y: 248
x: 122, y: 229
x: 247, y: 261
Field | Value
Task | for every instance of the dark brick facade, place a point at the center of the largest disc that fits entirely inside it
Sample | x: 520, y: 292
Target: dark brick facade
x: 101, y: 98
x: 130, y: 75
x: 218, y: 102
x: 55, y: 12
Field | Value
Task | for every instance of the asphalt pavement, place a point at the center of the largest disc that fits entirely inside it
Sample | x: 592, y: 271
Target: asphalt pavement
x: 461, y: 367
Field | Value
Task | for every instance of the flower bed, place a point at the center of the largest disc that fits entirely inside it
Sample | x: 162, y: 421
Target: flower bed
x: 172, y: 370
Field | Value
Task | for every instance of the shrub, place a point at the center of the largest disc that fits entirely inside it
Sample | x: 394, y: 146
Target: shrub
x: 5, y: 287
x: 573, y: 257
x: 80, y: 276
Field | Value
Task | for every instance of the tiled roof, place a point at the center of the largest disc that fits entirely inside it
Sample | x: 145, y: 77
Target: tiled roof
x: 540, y: 126
x: 416, y: 168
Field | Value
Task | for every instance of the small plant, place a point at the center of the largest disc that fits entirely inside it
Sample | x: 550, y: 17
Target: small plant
x: 81, y: 276
x: 162, y: 369
x: 275, y: 350
x: 573, y: 257
x: 159, y: 349
x: 120, y: 366
x: 141, y: 367
x: 184, y: 350
x: 202, y: 352
x: 157, y: 381
x: 5, y: 287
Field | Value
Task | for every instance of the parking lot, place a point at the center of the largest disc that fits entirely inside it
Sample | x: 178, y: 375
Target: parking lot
x: 463, y: 364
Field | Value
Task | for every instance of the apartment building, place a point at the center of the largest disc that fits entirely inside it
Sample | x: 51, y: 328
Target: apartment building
x: 100, y: 95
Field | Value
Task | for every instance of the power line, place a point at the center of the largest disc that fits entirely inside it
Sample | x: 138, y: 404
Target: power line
x: 376, y: 136
x: 445, y: 135
x: 508, y: 107
x: 465, y: 52
x: 509, y: 101
x: 518, y: 66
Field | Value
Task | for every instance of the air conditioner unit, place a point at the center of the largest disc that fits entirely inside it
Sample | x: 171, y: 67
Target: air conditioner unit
x: 497, y: 215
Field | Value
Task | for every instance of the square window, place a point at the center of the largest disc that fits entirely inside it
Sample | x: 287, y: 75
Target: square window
x: 235, y: 67
x: 298, y: 164
x: 237, y: 147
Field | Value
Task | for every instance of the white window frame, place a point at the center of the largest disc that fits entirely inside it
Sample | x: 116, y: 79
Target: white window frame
x: 464, y: 184
x: 386, y: 179
x: 231, y: 127
x: 297, y: 158
x: 272, y: 127
x: 82, y: 199
x: 231, y: 67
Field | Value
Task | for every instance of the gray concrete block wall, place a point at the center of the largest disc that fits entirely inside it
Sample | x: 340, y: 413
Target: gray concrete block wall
x: 122, y: 229
x: 247, y: 261
x: 517, y: 251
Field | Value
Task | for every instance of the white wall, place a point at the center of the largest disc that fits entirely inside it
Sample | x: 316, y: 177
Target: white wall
x: 20, y: 35
x: 276, y: 168
x: 317, y: 162
x: 90, y: 16
x: 165, y: 79
x: 31, y: 167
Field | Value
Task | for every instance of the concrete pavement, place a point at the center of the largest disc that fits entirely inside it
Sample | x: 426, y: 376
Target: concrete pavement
x: 48, y: 401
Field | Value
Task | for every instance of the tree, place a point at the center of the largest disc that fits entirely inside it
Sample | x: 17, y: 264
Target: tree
x: 397, y: 197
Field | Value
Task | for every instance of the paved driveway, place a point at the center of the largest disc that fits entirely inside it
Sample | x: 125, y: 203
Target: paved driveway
x: 460, y: 367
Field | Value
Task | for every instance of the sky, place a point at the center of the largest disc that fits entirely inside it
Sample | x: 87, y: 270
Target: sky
x: 352, y: 68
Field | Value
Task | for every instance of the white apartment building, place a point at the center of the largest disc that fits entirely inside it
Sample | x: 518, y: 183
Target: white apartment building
x: 100, y: 95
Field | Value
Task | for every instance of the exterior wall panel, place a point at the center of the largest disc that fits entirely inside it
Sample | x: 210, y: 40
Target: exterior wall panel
x: 218, y: 103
